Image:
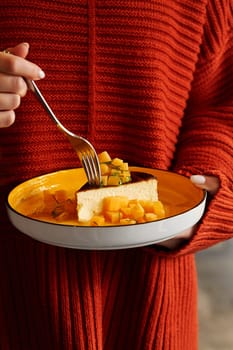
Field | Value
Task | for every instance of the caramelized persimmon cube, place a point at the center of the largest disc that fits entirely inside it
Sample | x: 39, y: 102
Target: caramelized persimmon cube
x: 126, y: 212
x: 141, y: 220
x: 115, y: 172
x: 104, y: 157
x: 150, y: 217
x: 114, y: 180
x: 125, y: 176
x: 114, y: 203
x: 158, y: 209
x: 148, y: 205
x: 97, y: 220
x: 104, y: 180
x: 124, y: 166
x: 117, y: 162
x: 125, y: 179
x: 126, y: 173
x: 137, y: 211
x: 132, y: 202
x: 126, y: 221
x: 113, y: 216
x: 104, y: 169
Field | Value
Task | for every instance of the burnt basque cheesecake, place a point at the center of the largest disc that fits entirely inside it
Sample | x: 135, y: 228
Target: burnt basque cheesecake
x: 124, y: 197
x: 91, y: 201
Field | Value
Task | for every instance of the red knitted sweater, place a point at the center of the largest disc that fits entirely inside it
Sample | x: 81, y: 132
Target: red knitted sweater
x: 151, y: 82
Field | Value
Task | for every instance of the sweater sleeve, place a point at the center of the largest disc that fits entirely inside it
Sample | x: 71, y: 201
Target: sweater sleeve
x: 205, y: 144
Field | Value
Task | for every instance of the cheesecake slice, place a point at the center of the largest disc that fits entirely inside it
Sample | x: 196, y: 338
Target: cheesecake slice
x: 143, y: 186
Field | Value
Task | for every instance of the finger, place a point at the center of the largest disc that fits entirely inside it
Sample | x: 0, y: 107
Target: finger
x: 7, y: 118
x: 9, y: 101
x: 175, y: 242
x: 18, y: 66
x: 208, y: 183
x: 21, y: 50
x: 13, y: 84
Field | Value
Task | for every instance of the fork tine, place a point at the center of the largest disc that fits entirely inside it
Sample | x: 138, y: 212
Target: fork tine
x: 91, y: 168
x: 86, y: 167
x: 94, y: 167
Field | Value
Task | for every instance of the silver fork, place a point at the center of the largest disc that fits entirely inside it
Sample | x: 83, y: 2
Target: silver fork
x: 84, y: 149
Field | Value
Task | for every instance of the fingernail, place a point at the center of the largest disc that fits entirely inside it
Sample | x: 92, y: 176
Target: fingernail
x: 41, y: 74
x: 26, y: 45
x: 198, y: 179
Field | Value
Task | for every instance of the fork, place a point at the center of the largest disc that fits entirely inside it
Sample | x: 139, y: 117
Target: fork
x: 83, y: 148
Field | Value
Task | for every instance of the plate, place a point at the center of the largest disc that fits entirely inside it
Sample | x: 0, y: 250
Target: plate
x: 184, y: 204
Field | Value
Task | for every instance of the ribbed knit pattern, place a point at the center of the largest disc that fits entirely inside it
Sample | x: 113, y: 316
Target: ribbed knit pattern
x: 149, y: 81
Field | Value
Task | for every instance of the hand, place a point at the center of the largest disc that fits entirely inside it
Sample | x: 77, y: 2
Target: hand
x: 211, y: 185
x: 13, y: 67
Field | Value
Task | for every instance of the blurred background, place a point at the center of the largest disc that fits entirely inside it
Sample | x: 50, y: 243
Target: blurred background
x: 215, y: 274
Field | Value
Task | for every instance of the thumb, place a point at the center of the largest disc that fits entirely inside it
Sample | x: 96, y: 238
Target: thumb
x: 19, y: 50
x: 209, y: 183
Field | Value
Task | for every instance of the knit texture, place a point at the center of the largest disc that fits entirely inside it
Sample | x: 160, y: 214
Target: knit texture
x: 150, y: 82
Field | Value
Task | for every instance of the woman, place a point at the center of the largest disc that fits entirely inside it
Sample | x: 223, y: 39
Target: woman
x: 150, y: 83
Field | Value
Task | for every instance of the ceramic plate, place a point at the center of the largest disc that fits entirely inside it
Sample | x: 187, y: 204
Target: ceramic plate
x: 184, y: 204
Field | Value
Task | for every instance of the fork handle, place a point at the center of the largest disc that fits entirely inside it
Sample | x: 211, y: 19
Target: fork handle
x: 33, y: 87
